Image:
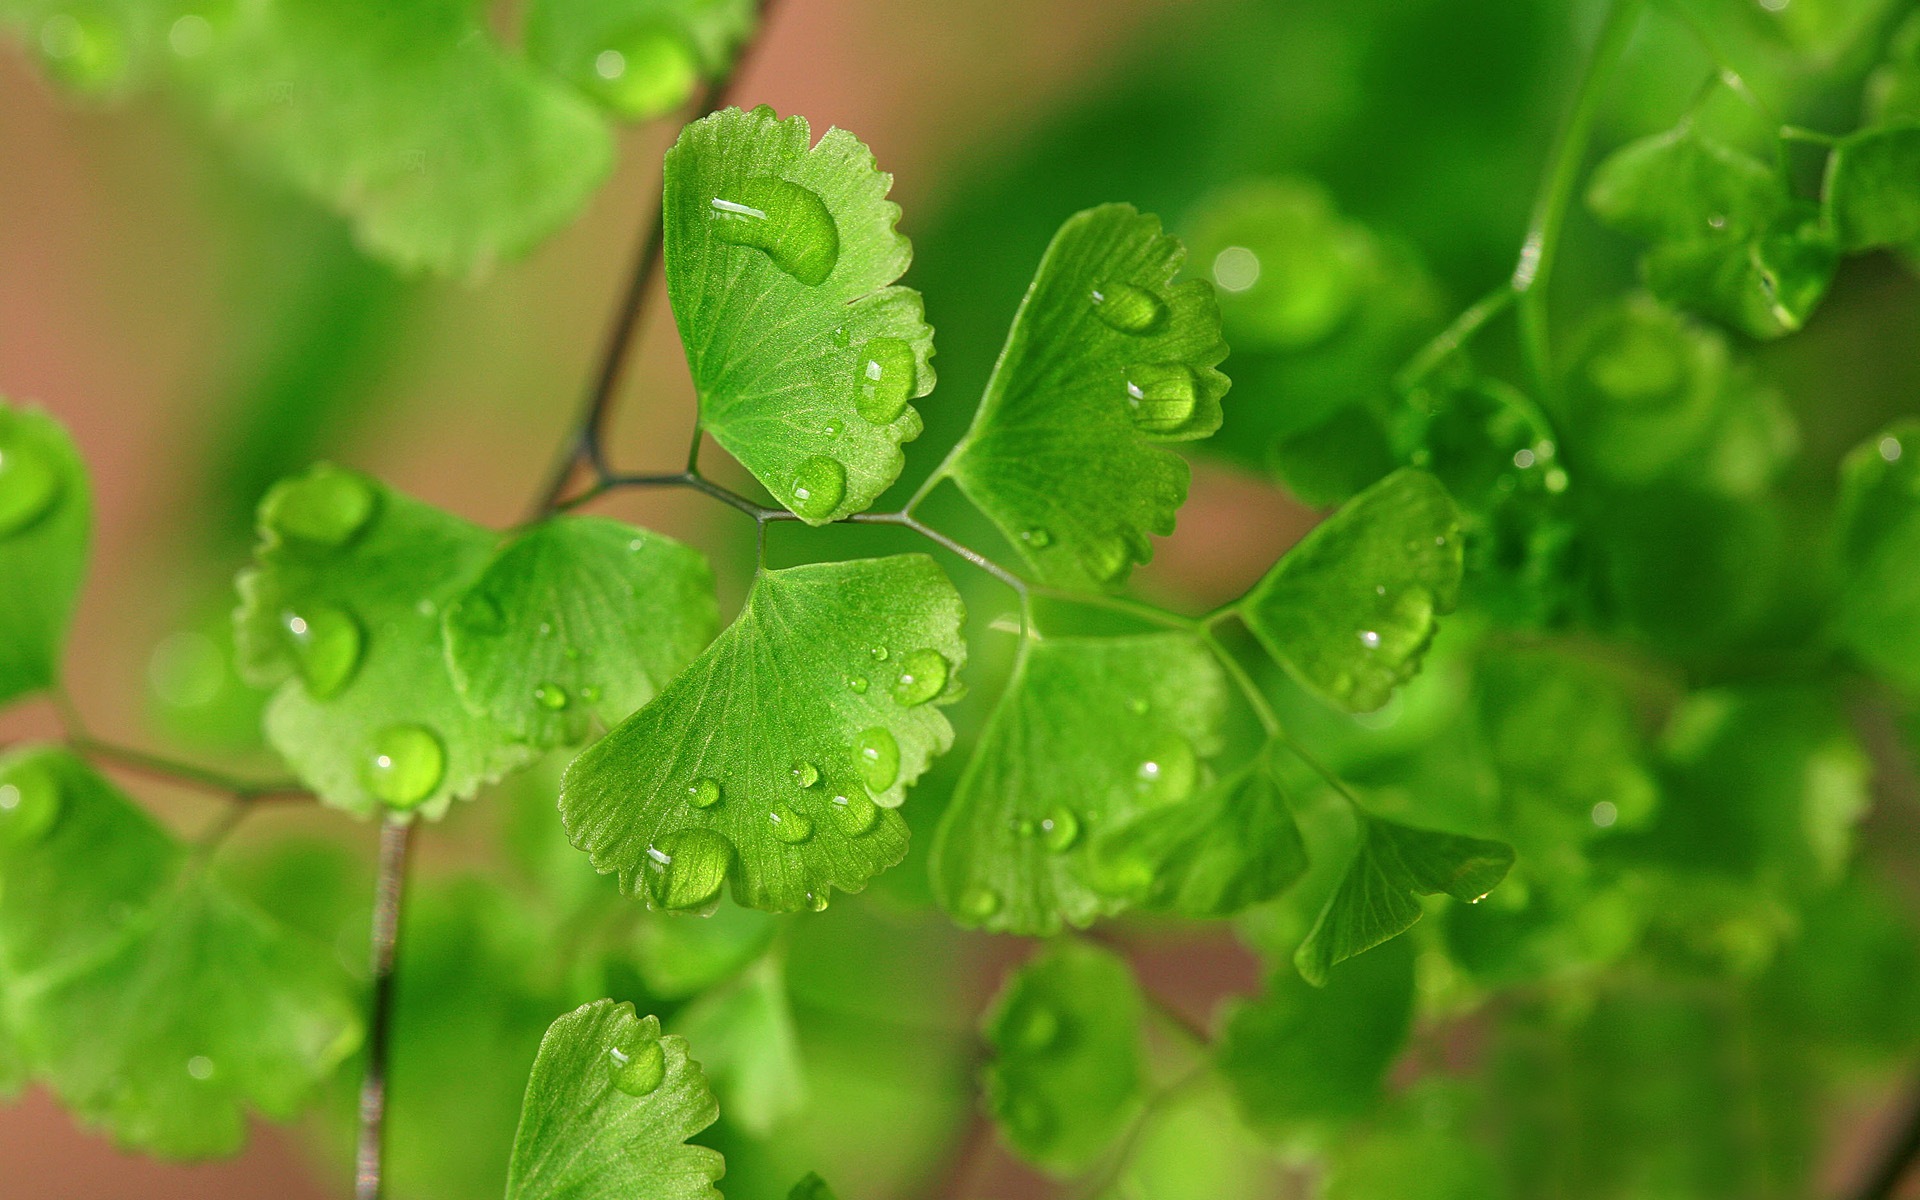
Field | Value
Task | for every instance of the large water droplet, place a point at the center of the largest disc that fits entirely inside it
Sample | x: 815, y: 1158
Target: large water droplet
x: 877, y: 757
x: 703, y: 792
x: 790, y: 826
x: 550, y: 696
x: 29, y: 803
x: 327, y: 645
x: 406, y: 765
x: 647, y: 72
x: 818, y: 487
x: 886, y: 379
x: 688, y: 868
x: 1059, y: 830
x: 923, y: 675
x: 638, y: 1070
x: 29, y: 484
x: 1169, y: 771
x: 325, y: 507
x: 1161, y: 397
x: 855, y: 814
x: 791, y: 224
x: 804, y: 773
x: 1129, y: 309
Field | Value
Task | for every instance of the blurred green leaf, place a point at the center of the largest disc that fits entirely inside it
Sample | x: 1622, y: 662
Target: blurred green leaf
x: 1872, y: 192
x: 678, y: 955
x: 639, y: 58
x: 745, y: 1035
x: 46, y: 519
x: 1878, y: 533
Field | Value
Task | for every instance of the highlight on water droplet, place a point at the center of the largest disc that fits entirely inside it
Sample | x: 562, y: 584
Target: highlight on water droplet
x: 1128, y: 308
x: 327, y: 647
x: 789, y: 223
x: 923, y: 675
x: 1161, y: 397
x: 856, y: 815
x: 876, y: 755
x: 29, y: 803
x: 688, y: 869
x: 637, y: 1070
x: 406, y: 764
x: 551, y: 696
x: 979, y: 902
x: 1370, y: 638
x: 818, y: 487
x: 1059, y: 830
x: 885, y: 374
x: 1169, y: 771
x: 790, y: 826
x: 703, y: 792
x: 645, y: 72
x: 804, y: 773
x: 29, y: 484
x: 325, y: 507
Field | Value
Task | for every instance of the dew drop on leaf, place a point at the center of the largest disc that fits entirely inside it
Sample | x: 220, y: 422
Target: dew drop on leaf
x: 1161, y: 396
x: 1168, y: 774
x: 703, y: 792
x: 325, y: 507
x: 1037, y: 537
x: 979, y: 903
x: 886, y: 379
x: 406, y: 765
x: 1370, y: 639
x: 638, y: 1071
x: 29, y: 804
x: 1129, y: 309
x: 833, y: 429
x: 818, y: 487
x: 877, y: 757
x: 842, y: 336
x: 857, y: 684
x: 589, y: 694
x: 804, y: 773
x: 855, y: 814
x: 816, y: 902
x: 327, y: 646
x: 880, y: 653
x: 645, y: 73
x: 790, y: 826
x: 790, y: 223
x: 1059, y: 830
x: 687, y: 867
x: 29, y: 485
x: 550, y: 696
x: 923, y: 675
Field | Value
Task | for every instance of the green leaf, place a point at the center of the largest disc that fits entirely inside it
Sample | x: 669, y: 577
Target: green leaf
x: 343, y: 612
x: 1393, y: 864
x: 811, y: 1187
x: 1067, y: 1073
x: 1878, y: 531
x: 1872, y: 189
x: 677, y: 956
x: 578, y: 618
x: 1765, y: 286
x: 46, y: 516
x: 609, y: 1108
x: 779, y: 261
x: 1107, y: 357
x: 1234, y: 846
x: 639, y: 58
x: 744, y: 1031
x: 446, y: 150
x: 1091, y: 732
x: 1350, y: 610
x: 1302, y: 1053
x: 779, y: 756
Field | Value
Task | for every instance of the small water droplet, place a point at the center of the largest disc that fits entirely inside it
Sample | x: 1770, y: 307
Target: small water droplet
x: 885, y: 373
x: 804, y: 773
x: 1889, y: 450
x: 790, y: 826
x: 645, y: 73
x: 842, y: 336
x: 703, y: 792
x: 857, y: 684
x: 200, y: 1067
x: 29, y: 483
x: 29, y: 803
x: 1605, y: 813
x: 590, y: 694
x: 1370, y: 639
x: 1059, y: 830
x: 325, y: 507
x: 923, y: 675
x: 876, y: 755
x: 816, y: 902
x: 818, y: 487
x: 879, y: 653
x: 1161, y: 397
x: 327, y: 647
x: 550, y: 696
x: 855, y: 814
x: 1168, y: 773
x: 637, y: 1071
x: 1523, y: 458
x: 406, y: 764
x: 695, y: 865
x: 832, y: 429
x: 979, y: 903
x: 1129, y: 309
x: 1037, y: 537
x: 787, y: 222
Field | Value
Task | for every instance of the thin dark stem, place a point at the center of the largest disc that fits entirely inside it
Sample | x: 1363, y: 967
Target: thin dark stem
x: 1897, y: 1162
x: 168, y: 770
x: 1450, y: 340
x: 390, y: 890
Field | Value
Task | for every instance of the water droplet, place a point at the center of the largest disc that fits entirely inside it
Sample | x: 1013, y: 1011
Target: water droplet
x: 791, y: 224
x: 703, y: 792
x: 816, y: 902
x: 1161, y: 397
x: 646, y: 73
x: 818, y: 487
x: 406, y: 765
x: 1059, y: 830
x: 789, y: 826
x: 833, y: 429
x: 325, y: 507
x: 857, y: 684
x: 1605, y: 813
x: 804, y: 773
x: 1889, y: 451
x: 637, y: 1071
x: 327, y: 646
x: 879, y: 653
x: 200, y: 1067
x: 923, y: 675
x: 886, y: 378
x: 696, y: 862
x: 979, y: 903
x: 855, y: 814
x: 1034, y: 1028
x: 550, y: 696
x: 29, y: 484
x: 1370, y: 639
x: 1167, y: 775
x: 1236, y: 269
x: 1037, y: 537
x: 29, y: 803
x: 842, y: 336
x: 1129, y: 309
x: 1523, y: 458
x: 877, y: 757
x: 590, y: 694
